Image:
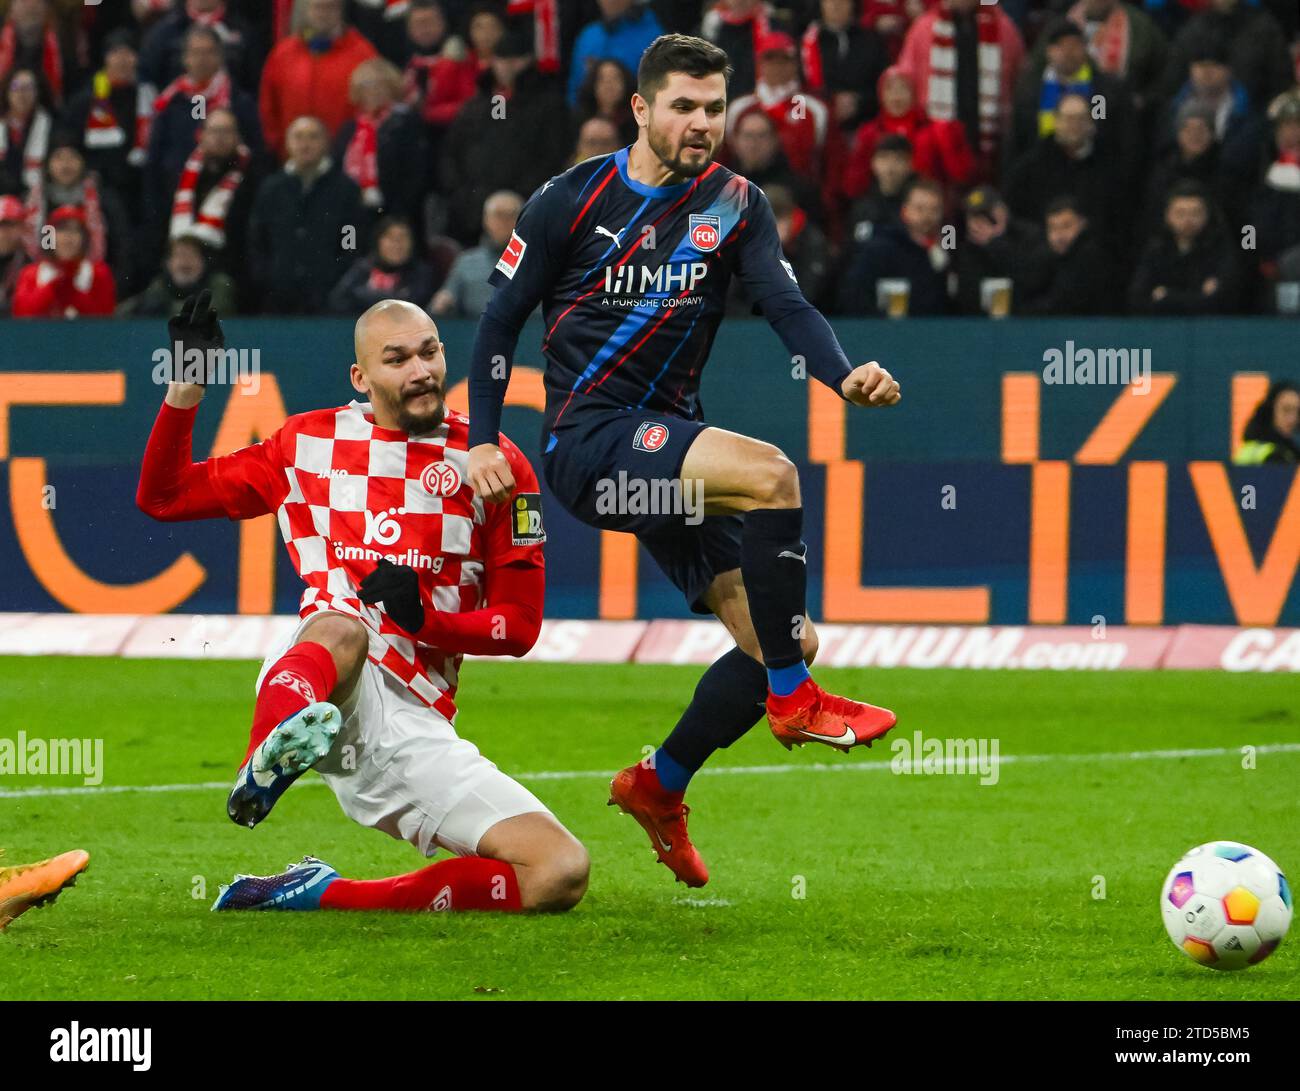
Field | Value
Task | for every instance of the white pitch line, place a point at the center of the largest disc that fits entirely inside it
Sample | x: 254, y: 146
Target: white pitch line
x: 717, y: 770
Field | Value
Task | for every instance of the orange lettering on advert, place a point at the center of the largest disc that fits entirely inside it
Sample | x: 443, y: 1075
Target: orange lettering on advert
x: 1257, y: 593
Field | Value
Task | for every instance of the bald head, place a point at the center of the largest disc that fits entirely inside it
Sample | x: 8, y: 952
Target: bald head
x: 383, y: 317
x: 400, y: 365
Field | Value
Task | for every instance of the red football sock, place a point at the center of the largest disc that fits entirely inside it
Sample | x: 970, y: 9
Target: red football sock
x: 305, y: 673
x: 466, y: 882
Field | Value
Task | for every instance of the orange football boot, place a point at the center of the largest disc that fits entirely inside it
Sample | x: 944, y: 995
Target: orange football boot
x: 662, y: 814
x: 26, y: 886
x: 810, y: 714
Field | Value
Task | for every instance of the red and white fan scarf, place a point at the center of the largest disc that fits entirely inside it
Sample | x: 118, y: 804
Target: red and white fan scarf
x: 546, y: 29
x: 35, y: 140
x: 91, y: 208
x: 215, y: 93
x: 51, y: 56
x: 941, y: 95
x: 208, y: 221
x: 361, y: 159
x: 105, y: 130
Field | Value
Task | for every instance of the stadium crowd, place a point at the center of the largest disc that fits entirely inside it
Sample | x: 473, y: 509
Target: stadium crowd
x: 1037, y: 157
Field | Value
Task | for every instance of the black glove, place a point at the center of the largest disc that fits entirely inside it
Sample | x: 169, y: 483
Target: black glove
x: 397, y: 586
x: 196, y: 327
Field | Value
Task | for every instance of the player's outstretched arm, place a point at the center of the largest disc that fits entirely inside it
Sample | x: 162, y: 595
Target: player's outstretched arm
x: 489, y: 376
x: 172, y: 486
x: 770, y: 282
x: 523, y: 275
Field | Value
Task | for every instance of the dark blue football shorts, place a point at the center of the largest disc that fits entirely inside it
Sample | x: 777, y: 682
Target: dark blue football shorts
x: 610, y: 468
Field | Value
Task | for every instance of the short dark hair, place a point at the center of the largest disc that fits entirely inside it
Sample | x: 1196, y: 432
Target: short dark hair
x: 896, y: 143
x: 678, y: 53
x: 1187, y: 187
x: 1065, y: 202
x: 202, y: 30
x: 1062, y: 27
x: 920, y: 182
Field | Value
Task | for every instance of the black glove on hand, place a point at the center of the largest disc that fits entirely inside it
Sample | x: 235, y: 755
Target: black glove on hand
x: 397, y: 586
x: 196, y: 327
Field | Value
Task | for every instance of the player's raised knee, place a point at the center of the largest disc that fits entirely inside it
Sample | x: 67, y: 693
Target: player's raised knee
x: 345, y: 637
x: 558, y: 882
x: 775, y: 480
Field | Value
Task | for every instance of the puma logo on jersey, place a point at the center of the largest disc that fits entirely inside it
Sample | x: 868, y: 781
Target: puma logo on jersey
x: 802, y: 558
x: 610, y: 234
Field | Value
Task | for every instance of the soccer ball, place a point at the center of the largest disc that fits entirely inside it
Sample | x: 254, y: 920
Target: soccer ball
x: 1226, y: 905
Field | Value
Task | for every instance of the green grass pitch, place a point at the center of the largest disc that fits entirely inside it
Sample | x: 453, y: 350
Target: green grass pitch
x: 912, y: 886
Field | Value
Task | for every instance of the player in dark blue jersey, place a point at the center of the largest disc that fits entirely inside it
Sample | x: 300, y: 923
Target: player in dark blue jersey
x: 630, y: 256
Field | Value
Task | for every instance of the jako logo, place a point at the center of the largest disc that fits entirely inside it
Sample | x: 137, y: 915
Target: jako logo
x: 112, y: 1044
x: 382, y: 529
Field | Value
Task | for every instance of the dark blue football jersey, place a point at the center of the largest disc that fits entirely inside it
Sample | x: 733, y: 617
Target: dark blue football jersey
x: 633, y: 280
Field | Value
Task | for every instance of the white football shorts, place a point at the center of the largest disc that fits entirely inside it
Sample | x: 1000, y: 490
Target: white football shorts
x: 399, y: 766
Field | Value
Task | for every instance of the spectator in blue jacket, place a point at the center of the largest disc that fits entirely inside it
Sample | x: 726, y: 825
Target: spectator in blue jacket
x: 622, y: 33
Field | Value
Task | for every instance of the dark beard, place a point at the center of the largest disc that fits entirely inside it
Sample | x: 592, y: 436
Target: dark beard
x: 673, y: 161
x: 419, y: 424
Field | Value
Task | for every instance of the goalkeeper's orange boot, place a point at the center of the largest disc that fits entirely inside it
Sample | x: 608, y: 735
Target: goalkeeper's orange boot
x: 810, y: 714
x: 662, y: 814
x: 27, y: 886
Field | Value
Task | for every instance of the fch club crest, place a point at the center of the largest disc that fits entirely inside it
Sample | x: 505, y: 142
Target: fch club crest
x: 705, y: 232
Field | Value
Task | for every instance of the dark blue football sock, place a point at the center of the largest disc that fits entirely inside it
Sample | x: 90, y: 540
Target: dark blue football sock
x: 773, y: 566
x: 728, y: 701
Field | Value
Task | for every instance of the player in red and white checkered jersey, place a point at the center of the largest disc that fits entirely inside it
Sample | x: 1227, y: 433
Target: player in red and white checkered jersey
x: 406, y: 571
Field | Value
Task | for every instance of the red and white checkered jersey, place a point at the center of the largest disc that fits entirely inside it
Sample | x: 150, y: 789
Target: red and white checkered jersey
x: 347, y: 492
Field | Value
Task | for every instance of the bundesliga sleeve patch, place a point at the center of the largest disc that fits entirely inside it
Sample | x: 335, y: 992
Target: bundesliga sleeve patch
x: 512, y: 255
x: 526, y: 519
